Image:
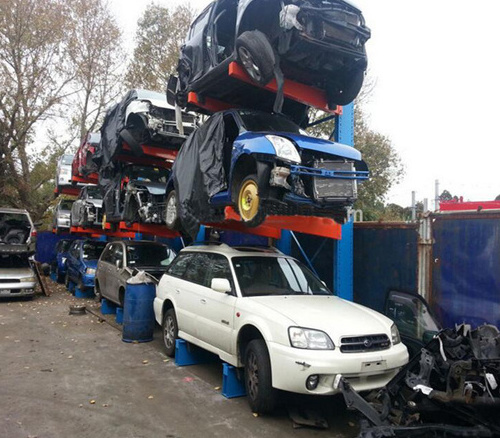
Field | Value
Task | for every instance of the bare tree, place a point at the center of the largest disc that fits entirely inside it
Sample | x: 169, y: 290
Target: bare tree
x: 160, y: 34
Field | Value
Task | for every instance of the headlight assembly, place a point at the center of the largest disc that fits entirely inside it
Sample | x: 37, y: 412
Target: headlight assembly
x: 27, y: 279
x: 284, y: 148
x: 396, y: 339
x: 90, y: 271
x: 309, y: 339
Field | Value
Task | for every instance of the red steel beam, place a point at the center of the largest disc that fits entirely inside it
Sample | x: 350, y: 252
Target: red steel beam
x: 208, y: 103
x: 89, y: 179
x: 150, y: 229
x: 65, y: 190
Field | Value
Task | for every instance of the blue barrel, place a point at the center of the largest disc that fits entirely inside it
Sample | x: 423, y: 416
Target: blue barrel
x: 138, y: 313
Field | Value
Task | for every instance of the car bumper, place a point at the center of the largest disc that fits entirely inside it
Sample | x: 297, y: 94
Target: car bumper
x: 63, y: 223
x: 365, y: 371
x: 24, y: 289
x: 64, y: 181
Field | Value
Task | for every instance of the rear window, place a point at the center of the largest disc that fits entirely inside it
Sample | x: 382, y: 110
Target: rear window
x: 21, y: 219
x: 149, y: 255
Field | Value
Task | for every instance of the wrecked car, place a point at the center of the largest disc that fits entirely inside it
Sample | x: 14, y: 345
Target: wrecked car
x: 17, y: 278
x: 63, y: 171
x: 17, y: 232
x: 261, y: 164
x: 82, y: 164
x: 137, y: 194
x: 452, y: 389
x: 87, y: 209
x: 142, y: 117
x: 314, y: 42
x: 58, y: 263
x: 62, y: 215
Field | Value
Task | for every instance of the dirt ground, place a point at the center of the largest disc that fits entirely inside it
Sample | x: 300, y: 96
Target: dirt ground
x: 65, y: 375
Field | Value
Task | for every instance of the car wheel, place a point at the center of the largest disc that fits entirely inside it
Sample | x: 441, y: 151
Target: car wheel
x: 249, y: 202
x: 97, y: 291
x: 345, y: 91
x: 260, y: 393
x: 256, y: 55
x: 172, y: 211
x: 170, y: 332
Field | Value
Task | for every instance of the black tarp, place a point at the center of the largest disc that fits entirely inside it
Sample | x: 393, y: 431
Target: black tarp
x: 198, y: 172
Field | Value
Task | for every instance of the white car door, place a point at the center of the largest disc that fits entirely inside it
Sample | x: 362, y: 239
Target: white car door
x: 216, y: 315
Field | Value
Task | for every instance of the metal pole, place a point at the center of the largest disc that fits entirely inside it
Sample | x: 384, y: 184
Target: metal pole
x: 426, y: 205
x: 436, y: 195
x: 413, y: 206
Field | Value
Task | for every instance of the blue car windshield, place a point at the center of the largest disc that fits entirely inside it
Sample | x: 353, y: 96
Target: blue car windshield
x: 260, y: 276
x: 93, y: 250
x: 258, y: 121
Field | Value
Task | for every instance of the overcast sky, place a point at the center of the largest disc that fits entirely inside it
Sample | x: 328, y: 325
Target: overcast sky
x: 437, y: 91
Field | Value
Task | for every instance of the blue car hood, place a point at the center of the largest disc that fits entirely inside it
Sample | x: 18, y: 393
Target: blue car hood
x: 319, y: 145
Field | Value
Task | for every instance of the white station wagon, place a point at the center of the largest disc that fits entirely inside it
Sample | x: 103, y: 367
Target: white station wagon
x: 265, y: 311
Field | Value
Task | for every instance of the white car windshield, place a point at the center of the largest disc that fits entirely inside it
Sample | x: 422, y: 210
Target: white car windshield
x: 259, y: 276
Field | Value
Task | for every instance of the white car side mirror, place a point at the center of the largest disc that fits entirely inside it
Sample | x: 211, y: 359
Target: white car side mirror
x: 221, y: 285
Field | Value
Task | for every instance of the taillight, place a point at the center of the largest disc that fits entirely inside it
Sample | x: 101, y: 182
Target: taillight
x: 33, y: 233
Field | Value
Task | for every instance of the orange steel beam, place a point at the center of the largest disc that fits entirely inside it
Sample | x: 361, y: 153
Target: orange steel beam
x: 90, y: 179
x: 96, y: 232
x: 71, y: 191
x: 144, y: 161
x: 317, y: 226
x: 305, y: 94
x: 150, y: 229
x: 212, y: 105
x: 152, y: 151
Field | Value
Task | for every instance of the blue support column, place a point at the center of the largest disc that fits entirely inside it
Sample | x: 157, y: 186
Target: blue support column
x: 285, y: 243
x: 102, y: 238
x: 344, y: 248
x: 201, y: 236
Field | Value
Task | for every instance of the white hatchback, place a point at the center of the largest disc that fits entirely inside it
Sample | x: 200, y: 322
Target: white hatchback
x: 265, y: 311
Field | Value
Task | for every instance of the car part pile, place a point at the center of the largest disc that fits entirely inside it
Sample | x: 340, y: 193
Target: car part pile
x: 451, y: 390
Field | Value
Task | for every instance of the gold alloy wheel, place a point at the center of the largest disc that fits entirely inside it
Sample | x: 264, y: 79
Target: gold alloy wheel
x: 248, y: 200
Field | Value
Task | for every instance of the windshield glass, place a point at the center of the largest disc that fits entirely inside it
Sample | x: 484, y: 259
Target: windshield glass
x: 14, y: 261
x: 151, y: 174
x: 93, y: 250
x: 259, y: 276
x: 93, y: 192
x: 67, y: 159
x: 66, y: 204
x: 149, y: 255
x: 257, y: 121
x: 64, y: 245
x: 146, y: 94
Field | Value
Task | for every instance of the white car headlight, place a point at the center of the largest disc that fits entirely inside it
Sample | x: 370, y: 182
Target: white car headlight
x: 27, y: 279
x: 284, y: 148
x: 309, y: 339
x: 396, y: 339
x: 90, y: 271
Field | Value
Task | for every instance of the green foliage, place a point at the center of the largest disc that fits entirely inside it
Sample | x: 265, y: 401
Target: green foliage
x: 160, y: 33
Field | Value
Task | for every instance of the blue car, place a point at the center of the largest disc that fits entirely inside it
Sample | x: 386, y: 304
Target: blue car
x: 260, y: 164
x: 58, y: 264
x: 81, y: 263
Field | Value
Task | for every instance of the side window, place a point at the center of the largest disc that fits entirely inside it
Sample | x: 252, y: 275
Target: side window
x: 219, y: 268
x: 197, y: 269
x: 107, y: 255
x: 118, y: 253
x: 200, y: 23
x: 179, y: 265
x: 74, y: 249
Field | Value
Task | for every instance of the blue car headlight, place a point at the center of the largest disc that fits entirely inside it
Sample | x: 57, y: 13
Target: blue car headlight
x: 284, y: 148
x: 90, y: 271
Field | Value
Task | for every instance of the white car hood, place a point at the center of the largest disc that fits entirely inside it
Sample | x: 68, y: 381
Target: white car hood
x: 331, y: 314
x: 15, y: 273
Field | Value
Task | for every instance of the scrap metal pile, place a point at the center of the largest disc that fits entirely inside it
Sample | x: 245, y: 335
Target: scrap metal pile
x: 450, y: 390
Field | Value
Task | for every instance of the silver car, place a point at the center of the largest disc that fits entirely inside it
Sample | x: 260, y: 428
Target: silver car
x: 63, y: 172
x: 17, y: 278
x: 87, y: 209
x: 121, y: 260
x: 17, y: 232
x: 62, y: 214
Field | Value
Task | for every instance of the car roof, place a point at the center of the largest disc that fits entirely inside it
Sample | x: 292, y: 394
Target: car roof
x: 234, y: 251
x: 139, y: 242
x: 13, y: 210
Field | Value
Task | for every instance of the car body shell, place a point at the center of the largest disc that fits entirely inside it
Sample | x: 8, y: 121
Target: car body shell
x: 77, y: 266
x: 64, y: 170
x: 87, y: 209
x: 62, y: 215
x: 17, y: 232
x: 58, y: 263
x: 114, y: 269
x: 17, y: 279
x: 82, y: 164
x: 217, y: 322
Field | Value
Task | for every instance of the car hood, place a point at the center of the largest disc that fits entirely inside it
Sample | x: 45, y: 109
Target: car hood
x: 331, y: 314
x: 151, y: 187
x: 13, y: 273
x: 320, y: 145
x: 95, y: 202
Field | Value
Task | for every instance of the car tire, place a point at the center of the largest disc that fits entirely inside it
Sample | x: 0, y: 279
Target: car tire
x: 256, y: 56
x: 97, y: 292
x: 345, y: 91
x: 261, y: 395
x: 249, y: 204
x: 170, y: 331
x: 172, y: 219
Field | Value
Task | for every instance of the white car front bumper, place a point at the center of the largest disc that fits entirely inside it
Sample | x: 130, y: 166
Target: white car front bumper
x: 365, y: 371
x: 16, y: 289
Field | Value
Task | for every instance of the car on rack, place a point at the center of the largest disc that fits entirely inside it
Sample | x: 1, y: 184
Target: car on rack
x: 62, y: 215
x: 17, y: 278
x: 87, y: 209
x: 63, y: 171
x: 121, y: 260
x: 58, y: 263
x: 17, y: 232
x: 261, y: 164
x: 315, y: 42
x: 262, y: 310
x: 137, y: 194
x: 81, y: 262
x: 82, y: 164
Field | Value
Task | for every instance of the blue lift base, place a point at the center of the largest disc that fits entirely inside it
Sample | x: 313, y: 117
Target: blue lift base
x: 232, y: 385
x: 188, y: 354
x: 107, y: 307
x: 86, y: 293
x: 71, y: 287
x: 53, y: 276
x: 119, y: 315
